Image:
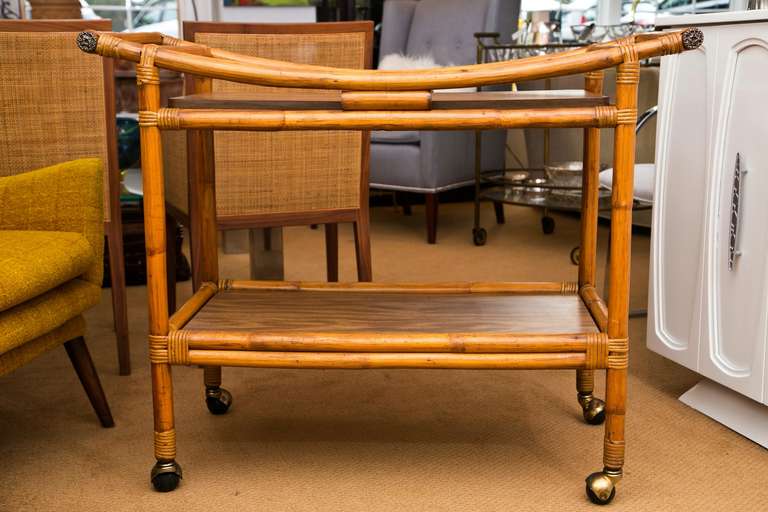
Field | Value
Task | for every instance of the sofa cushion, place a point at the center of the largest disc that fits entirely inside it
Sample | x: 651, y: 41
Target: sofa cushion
x: 46, y: 312
x: 387, y: 137
x: 34, y: 262
x: 66, y: 197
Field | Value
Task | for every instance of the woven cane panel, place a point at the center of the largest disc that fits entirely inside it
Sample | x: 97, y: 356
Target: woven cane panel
x: 51, y: 103
x: 259, y: 173
x: 175, y: 168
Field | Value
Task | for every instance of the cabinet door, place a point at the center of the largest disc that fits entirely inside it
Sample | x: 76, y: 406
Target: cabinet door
x: 736, y: 308
x: 677, y: 255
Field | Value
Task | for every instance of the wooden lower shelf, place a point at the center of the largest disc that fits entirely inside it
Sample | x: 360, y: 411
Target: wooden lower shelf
x: 371, y: 312
x: 365, y: 325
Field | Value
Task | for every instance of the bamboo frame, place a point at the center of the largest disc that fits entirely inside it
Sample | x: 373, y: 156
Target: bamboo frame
x: 352, y: 361
x: 228, y: 66
x: 174, y: 343
x: 563, y: 288
x: 454, y: 119
x: 473, y: 343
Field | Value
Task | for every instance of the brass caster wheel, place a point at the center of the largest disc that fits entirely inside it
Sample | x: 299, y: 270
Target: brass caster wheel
x: 479, y: 236
x: 593, y: 408
x: 601, y: 486
x: 218, y: 400
x: 165, y: 476
x: 548, y: 225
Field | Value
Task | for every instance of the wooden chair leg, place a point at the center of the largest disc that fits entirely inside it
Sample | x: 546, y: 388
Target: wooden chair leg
x: 119, y: 301
x: 266, y: 253
x: 403, y: 199
x: 171, y: 229
x: 363, y: 249
x: 332, y: 252
x: 498, y: 208
x: 432, y: 207
x: 86, y: 372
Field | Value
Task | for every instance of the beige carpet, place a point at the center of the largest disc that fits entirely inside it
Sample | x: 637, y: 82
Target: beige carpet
x: 374, y: 440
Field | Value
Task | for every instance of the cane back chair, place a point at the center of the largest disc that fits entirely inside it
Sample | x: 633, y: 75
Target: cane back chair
x: 270, y: 180
x: 550, y: 325
x: 56, y: 106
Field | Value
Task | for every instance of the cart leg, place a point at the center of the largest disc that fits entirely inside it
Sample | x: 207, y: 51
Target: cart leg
x: 601, y: 485
x: 498, y: 208
x: 217, y: 398
x: 166, y: 473
x: 592, y: 408
x: 547, y: 222
x: 479, y: 235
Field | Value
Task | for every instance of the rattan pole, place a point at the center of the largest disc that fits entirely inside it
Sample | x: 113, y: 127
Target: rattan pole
x: 364, y: 100
x: 590, y: 188
x: 562, y: 288
x: 341, y: 360
x: 488, y: 343
x: 593, y: 82
x: 627, y: 78
x: 595, y: 306
x: 202, y: 207
x: 192, y: 306
x: 154, y: 218
x: 392, y: 120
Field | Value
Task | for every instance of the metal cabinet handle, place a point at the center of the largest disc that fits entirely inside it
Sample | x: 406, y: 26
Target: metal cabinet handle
x: 733, y: 238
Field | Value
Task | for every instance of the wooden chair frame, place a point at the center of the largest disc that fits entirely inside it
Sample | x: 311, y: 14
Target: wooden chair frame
x: 395, y: 100
x: 113, y: 227
x: 359, y: 217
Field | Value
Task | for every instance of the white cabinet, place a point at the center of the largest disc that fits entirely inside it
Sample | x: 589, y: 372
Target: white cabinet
x: 737, y: 270
x: 708, y: 296
x: 682, y: 139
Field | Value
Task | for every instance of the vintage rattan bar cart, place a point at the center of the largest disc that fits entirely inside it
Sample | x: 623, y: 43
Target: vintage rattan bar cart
x: 544, y: 325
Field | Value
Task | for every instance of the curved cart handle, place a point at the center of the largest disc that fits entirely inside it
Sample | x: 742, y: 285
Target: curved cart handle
x: 200, y: 60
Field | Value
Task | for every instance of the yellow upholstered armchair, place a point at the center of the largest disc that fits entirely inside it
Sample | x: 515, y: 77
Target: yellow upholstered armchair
x: 51, y: 244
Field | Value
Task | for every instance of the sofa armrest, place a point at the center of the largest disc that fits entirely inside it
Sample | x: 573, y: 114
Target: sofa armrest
x: 63, y: 197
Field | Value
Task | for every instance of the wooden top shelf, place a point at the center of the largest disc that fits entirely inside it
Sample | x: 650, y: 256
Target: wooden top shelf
x: 276, y: 311
x: 331, y: 100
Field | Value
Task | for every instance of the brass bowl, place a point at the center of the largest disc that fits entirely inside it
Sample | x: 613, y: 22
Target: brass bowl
x: 564, y: 174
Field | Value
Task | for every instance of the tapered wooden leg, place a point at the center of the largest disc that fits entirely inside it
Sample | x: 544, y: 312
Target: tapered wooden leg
x: 86, y: 372
x: 432, y: 207
x: 332, y: 252
x: 171, y: 228
x: 363, y: 249
x: 119, y: 301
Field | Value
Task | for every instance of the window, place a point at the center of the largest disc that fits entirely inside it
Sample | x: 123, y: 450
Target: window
x: 130, y: 15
